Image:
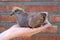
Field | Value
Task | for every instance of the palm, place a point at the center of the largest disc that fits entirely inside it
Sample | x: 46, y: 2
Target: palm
x: 16, y: 31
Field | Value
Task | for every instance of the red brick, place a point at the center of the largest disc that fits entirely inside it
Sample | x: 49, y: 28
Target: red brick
x: 56, y: 19
x: 58, y: 0
x: 58, y: 37
x: 17, y: 0
x: 2, y: 28
x: 7, y: 18
x: 44, y: 38
x: 44, y: 0
x: 2, y: 8
x: 22, y: 38
x: 10, y: 7
x: 42, y: 8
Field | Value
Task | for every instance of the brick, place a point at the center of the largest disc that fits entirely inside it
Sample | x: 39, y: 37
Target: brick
x: 58, y: 0
x: 58, y: 37
x: 7, y: 18
x: 2, y: 28
x: 44, y: 38
x: 55, y: 19
x: 43, y: 0
x: 22, y: 38
x: 2, y: 8
x: 10, y: 7
x: 16, y: 0
x: 41, y: 8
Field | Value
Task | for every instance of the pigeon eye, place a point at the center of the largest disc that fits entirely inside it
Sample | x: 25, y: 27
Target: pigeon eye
x: 16, y: 10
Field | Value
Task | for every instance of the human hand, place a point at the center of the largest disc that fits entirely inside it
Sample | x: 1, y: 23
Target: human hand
x: 16, y: 31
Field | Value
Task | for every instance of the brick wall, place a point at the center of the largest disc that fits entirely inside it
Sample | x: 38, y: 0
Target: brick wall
x: 50, y: 6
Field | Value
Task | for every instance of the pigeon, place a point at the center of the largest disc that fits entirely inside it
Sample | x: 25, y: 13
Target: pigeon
x: 25, y: 19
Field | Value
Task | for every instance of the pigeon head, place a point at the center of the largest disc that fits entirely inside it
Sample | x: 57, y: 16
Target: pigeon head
x: 17, y: 10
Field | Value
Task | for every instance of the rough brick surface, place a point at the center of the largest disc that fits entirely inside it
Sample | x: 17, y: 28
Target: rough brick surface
x: 10, y: 7
x: 7, y: 18
x: 16, y: 0
x: 58, y: 0
x: 2, y: 8
x: 28, y: 0
x: 58, y: 38
x: 56, y: 19
x: 43, y: 0
x: 2, y: 28
x: 42, y: 8
x: 44, y: 38
x: 22, y: 38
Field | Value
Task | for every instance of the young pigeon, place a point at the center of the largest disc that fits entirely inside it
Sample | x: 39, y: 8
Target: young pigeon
x: 26, y: 20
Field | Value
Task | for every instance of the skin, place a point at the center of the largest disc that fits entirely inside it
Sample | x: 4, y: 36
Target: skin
x: 16, y: 31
